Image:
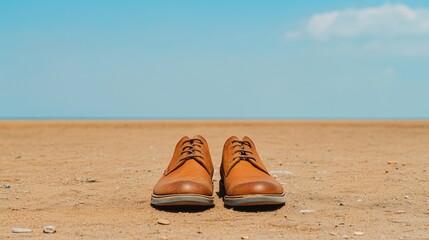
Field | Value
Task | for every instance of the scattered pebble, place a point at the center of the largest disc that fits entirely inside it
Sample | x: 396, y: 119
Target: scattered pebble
x: 307, y: 211
x: 163, y: 221
x: 358, y: 233
x: 49, y: 229
x: 21, y: 230
x: 244, y: 237
x: 392, y: 162
x: 406, y: 197
x: 396, y: 221
x: 400, y: 212
x: 345, y: 236
x: 333, y: 233
x: 359, y: 200
x: 275, y: 176
x: 90, y: 180
x: 6, y: 185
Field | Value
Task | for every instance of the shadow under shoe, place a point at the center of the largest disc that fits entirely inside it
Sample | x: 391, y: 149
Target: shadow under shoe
x: 187, y: 209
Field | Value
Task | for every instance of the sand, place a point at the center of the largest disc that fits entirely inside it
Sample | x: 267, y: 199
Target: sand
x: 93, y: 180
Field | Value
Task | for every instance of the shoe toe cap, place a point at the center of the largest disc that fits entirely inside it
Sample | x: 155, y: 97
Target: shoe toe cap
x: 256, y: 187
x: 183, y: 187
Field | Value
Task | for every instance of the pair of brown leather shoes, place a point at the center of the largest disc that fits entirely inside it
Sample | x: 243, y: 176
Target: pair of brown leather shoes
x: 188, y: 178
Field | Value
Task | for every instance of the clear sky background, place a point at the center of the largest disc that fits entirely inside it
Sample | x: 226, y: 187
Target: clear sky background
x: 214, y: 59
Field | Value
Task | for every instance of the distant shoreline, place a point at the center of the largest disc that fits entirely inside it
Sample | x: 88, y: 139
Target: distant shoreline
x: 212, y: 122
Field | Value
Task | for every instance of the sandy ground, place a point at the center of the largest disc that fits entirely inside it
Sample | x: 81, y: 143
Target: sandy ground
x: 93, y: 180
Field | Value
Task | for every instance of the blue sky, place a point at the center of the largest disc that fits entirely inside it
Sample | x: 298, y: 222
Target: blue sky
x: 214, y: 59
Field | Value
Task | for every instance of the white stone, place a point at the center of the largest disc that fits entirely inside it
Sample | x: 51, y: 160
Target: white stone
x: 21, y: 230
x: 307, y: 211
x: 163, y: 221
x: 49, y: 229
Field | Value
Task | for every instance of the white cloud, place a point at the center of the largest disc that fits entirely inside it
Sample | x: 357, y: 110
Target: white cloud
x: 388, y: 20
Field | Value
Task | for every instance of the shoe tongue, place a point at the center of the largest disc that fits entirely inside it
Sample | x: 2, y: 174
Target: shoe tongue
x: 190, y: 143
x: 243, y: 145
x: 184, y: 138
x: 231, y: 139
x: 199, y: 137
x: 247, y: 147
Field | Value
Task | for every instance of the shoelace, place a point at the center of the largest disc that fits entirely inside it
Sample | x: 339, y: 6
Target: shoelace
x: 190, y: 149
x: 244, y: 153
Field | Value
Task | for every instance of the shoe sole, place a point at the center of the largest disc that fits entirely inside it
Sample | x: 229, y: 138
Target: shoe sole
x: 182, y: 200
x: 254, y: 200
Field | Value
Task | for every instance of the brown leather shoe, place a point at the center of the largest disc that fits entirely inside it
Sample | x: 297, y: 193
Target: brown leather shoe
x: 188, y: 178
x: 245, y: 179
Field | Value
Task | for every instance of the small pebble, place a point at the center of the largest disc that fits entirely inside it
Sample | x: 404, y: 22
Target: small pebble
x: 244, y: 237
x: 90, y: 180
x: 333, y: 233
x: 358, y: 233
x: 49, y: 229
x: 392, y: 162
x: 6, y: 185
x: 21, y: 230
x: 400, y: 212
x: 359, y: 200
x: 307, y: 211
x: 345, y: 236
x: 406, y: 197
x: 163, y: 221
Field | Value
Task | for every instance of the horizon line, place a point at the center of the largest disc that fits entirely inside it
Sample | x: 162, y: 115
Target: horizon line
x: 213, y: 118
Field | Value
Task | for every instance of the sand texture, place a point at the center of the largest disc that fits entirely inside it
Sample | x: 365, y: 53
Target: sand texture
x: 93, y: 180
